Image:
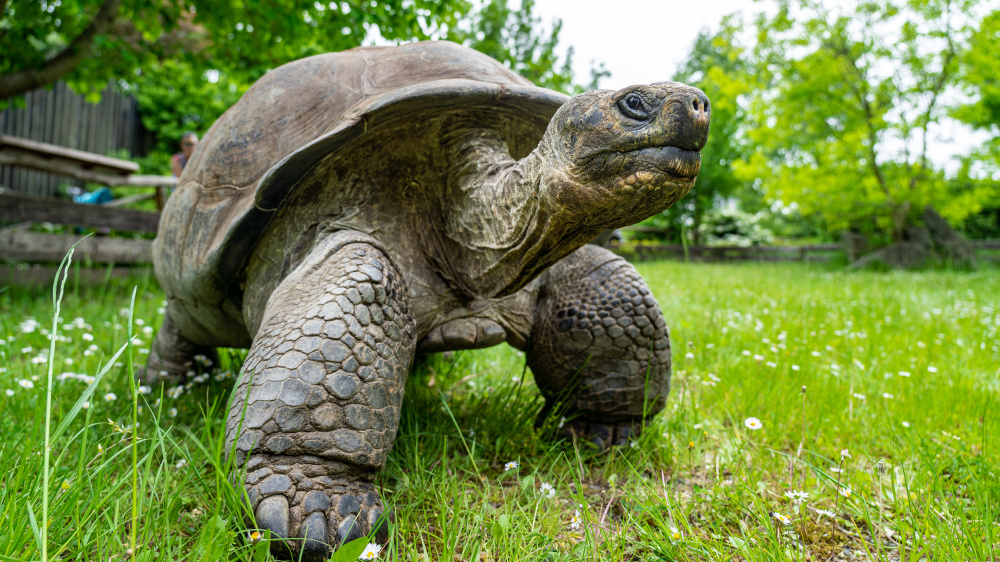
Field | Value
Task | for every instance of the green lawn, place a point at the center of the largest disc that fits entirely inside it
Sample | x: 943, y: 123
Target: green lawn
x: 900, y: 371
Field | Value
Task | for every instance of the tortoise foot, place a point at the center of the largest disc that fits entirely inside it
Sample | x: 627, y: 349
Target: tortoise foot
x: 603, y: 434
x: 312, y: 505
x: 172, y: 356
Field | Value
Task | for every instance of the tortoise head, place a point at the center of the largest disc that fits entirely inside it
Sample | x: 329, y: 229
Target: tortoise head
x: 614, y: 158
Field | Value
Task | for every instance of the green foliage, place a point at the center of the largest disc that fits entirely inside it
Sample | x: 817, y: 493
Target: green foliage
x: 727, y: 226
x: 841, y: 122
x: 174, y: 98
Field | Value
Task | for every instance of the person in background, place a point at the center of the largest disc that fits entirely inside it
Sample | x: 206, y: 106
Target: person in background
x: 179, y: 160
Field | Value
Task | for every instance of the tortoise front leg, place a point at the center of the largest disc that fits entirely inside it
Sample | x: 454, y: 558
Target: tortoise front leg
x: 322, y: 388
x: 599, y: 345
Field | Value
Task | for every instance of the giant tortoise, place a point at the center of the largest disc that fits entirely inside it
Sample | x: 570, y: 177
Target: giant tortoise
x: 355, y: 209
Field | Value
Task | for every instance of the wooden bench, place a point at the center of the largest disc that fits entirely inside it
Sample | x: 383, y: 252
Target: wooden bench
x: 80, y: 165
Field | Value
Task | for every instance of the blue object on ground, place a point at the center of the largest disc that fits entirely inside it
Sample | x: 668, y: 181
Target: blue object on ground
x: 98, y: 197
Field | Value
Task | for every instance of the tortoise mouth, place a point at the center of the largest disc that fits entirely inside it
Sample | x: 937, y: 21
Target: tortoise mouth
x: 674, y: 161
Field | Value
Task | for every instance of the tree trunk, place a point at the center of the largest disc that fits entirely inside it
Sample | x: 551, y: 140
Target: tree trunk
x: 899, y: 223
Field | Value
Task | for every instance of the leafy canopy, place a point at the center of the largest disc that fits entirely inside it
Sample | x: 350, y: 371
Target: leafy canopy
x: 850, y: 97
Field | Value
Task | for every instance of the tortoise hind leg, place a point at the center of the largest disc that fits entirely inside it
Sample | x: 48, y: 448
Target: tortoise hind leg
x: 599, y: 345
x: 317, y: 406
x: 172, y: 355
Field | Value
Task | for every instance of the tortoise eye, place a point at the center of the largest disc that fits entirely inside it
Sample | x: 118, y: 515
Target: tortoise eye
x: 633, y: 106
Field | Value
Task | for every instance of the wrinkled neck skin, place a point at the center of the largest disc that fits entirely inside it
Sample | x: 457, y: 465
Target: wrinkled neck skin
x: 508, y: 225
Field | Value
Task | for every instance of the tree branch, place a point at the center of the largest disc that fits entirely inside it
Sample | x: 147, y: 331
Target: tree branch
x: 22, y: 81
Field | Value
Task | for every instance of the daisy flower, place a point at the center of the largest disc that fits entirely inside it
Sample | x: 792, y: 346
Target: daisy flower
x: 887, y: 396
x: 9, y: 392
x: 512, y: 465
x: 845, y: 491
x: 753, y: 423
x: 110, y: 397
x: 905, y: 424
x: 797, y: 495
x: 255, y: 536
x: 25, y: 383
x: 845, y: 454
x: 782, y: 518
x: 548, y: 490
x: 827, y: 513
x: 675, y: 533
x: 574, y: 522
x: 371, y: 552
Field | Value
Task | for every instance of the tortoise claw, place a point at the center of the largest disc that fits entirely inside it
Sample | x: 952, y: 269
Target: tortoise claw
x: 272, y: 515
x: 604, y: 435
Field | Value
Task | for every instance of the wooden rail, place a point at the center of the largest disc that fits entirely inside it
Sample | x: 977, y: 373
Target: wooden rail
x: 810, y: 253
x: 19, y: 245
x: 985, y: 250
x: 26, y: 208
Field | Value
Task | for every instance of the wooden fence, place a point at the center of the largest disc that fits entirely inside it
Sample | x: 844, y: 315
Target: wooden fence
x: 986, y: 250
x: 61, y: 117
x: 812, y: 253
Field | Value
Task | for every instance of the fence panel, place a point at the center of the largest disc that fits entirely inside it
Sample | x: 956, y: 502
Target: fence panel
x: 60, y: 116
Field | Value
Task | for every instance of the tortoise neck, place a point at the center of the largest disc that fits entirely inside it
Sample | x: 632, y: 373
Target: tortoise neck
x: 501, y: 215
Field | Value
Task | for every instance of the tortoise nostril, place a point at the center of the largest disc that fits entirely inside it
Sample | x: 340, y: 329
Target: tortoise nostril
x: 699, y: 107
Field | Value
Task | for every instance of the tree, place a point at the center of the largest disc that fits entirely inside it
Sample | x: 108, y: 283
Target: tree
x: 88, y: 42
x: 719, y: 66
x: 851, y: 95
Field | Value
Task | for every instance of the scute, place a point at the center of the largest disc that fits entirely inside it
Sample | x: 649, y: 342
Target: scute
x: 251, y: 158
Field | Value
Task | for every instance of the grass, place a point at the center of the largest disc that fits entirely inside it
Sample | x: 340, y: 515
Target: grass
x: 900, y: 370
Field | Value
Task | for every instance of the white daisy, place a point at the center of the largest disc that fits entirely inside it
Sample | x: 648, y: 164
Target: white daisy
x: 512, y: 465
x: 753, y: 423
x: 371, y: 552
x: 548, y: 490
x: 574, y: 522
x: 845, y: 454
x: 110, y: 397
x: 826, y: 512
x: 797, y: 495
x: 782, y: 518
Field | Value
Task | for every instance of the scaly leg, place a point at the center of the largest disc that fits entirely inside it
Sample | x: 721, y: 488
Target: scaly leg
x: 322, y: 387
x: 600, y: 346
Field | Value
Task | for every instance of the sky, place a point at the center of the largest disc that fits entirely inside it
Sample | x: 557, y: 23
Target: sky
x: 639, y: 41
